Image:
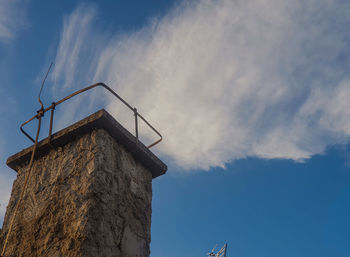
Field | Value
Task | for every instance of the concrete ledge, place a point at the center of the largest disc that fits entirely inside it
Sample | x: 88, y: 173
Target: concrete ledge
x: 99, y: 120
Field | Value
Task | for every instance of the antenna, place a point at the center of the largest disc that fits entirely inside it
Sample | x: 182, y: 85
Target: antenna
x: 42, y: 85
x: 220, y: 253
x: 212, y: 251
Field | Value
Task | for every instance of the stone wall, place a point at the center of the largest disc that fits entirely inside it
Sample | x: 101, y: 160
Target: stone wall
x: 87, y: 198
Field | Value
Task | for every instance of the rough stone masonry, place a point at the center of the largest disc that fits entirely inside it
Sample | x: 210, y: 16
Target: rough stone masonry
x: 90, y: 194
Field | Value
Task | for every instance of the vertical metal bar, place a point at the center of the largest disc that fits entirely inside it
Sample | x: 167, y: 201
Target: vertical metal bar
x: 225, y: 249
x: 136, y: 126
x: 51, y: 121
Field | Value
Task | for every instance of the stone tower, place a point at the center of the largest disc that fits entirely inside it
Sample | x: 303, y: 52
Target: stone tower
x: 89, y: 194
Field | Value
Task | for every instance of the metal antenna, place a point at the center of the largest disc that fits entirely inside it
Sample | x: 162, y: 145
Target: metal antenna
x: 42, y: 85
x: 212, y: 251
x: 220, y: 253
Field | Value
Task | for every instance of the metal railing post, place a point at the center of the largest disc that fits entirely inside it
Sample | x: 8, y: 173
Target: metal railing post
x: 136, y: 126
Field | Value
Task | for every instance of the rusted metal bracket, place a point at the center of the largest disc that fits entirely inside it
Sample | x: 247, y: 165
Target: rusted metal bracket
x: 52, y: 107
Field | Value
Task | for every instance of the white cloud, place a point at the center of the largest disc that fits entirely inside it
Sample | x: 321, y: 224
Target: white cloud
x: 7, y: 177
x: 76, y: 29
x: 224, y: 80
x: 11, y: 17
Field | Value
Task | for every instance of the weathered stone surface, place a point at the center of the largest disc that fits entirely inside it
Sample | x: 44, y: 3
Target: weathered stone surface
x: 87, y: 198
x: 100, y: 119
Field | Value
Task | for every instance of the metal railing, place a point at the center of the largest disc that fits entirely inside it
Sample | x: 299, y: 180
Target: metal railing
x: 52, y: 107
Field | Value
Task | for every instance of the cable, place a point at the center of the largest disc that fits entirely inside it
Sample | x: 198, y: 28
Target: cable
x: 42, y: 85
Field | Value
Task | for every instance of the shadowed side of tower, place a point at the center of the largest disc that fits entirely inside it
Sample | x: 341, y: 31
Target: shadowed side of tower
x: 89, y: 194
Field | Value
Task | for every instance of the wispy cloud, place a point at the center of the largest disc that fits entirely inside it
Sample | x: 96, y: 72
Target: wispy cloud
x: 224, y: 80
x: 70, y: 59
x: 11, y: 18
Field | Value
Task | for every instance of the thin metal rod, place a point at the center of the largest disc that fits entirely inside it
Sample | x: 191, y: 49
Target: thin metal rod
x: 42, y: 85
x: 156, y: 142
x: 51, y: 120
x: 27, y: 175
x: 159, y: 140
x: 81, y: 91
x: 225, y: 249
x: 136, y: 126
x: 25, y: 133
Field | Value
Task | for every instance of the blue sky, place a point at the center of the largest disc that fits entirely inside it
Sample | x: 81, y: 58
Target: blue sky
x: 251, y: 97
